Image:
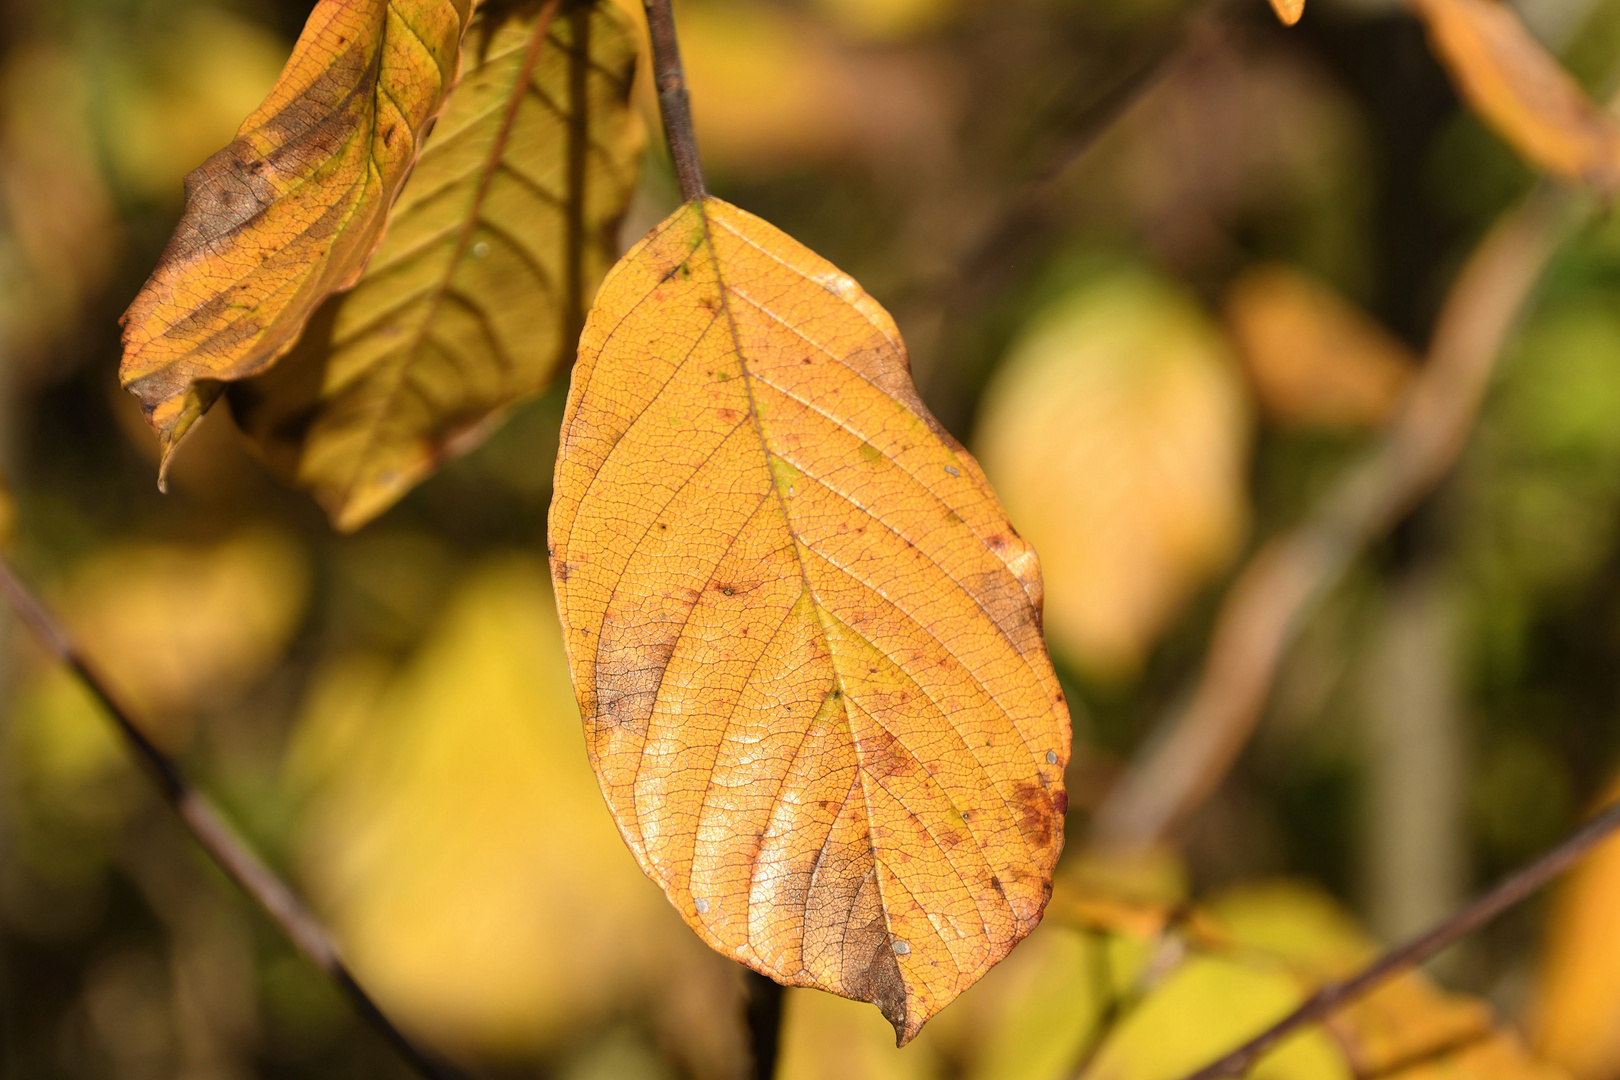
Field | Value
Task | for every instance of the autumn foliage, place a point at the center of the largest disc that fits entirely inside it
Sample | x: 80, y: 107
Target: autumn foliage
x: 647, y: 558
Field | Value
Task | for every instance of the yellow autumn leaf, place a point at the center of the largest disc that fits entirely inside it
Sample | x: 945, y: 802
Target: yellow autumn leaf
x: 1314, y: 358
x: 290, y: 211
x: 1118, y: 434
x: 1288, y: 12
x: 1575, y: 1014
x: 1206, y: 1007
x: 453, y: 833
x: 1406, y: 1027
x: 770, y: 90
x: 493, y: 253
x: 805, y: 640
x: 176, y: 627
x: 1520, y: 89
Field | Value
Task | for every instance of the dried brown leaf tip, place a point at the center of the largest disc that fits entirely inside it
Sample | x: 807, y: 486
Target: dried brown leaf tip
x: 291, y: 210
x: 1520, y: 90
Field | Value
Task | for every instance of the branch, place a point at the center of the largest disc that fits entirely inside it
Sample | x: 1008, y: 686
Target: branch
x: 1335, y: 995
x: 764, y: 1014
x: 1265, y: 608
x: 213, y: 835
x: 674, y: 104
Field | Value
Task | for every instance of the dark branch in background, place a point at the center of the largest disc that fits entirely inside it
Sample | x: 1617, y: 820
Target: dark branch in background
x: 213, y: 835
x: 1190, y: 755
x: 673, y: 102
x: 1335, y: 995
x: 764, y: 1003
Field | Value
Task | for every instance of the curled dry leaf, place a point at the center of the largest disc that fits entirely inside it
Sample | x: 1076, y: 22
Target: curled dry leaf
x: 1520, y: 89
x: 494, y: 251
x: 1314, y: 358
x: 1117, y: 432
x: 805, y: 640
x: 290, y: 211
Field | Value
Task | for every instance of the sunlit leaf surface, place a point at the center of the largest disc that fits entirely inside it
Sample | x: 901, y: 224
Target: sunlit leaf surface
x: 805, y: 639
x: 1575, y: 1018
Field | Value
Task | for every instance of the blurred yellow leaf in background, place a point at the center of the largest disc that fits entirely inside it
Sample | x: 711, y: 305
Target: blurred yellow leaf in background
x: 455, y: 834
x: 1288, y: 11
x: 1575, y: 1015
x: 61, y: 237
x: 775, y: 91
x: 475, y: 298
x: 1117, y: 434
x: 1315, y: 359
x: 766, y: 87
x: 1520, y: 89
x: 181, y: 95
x: 176, y: 628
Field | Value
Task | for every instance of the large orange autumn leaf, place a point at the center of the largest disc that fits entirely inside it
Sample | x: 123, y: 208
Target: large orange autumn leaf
x: 290, y: 211
x: 805, y: 640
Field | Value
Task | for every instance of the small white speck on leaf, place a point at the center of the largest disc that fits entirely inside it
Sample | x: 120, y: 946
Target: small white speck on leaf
x: 702, y: 905
x: 901, y: 948
x: 953, y: 470
x: 481, y: 249
x: 1051, y: 757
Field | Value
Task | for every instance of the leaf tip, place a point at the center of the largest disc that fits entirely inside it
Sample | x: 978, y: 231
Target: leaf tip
x: 1288, y: 12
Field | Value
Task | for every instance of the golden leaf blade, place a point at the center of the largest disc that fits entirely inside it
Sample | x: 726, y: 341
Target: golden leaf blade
x: 475, y: 297
x: 805, y: 639
x: 1520, y: 89
x: 290, y: 211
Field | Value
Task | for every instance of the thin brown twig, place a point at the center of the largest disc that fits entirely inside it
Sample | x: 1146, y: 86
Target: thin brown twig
x: 674, y: 104
x: 1336, y: 995
x: 213, y: 834
x: 1264, y: 609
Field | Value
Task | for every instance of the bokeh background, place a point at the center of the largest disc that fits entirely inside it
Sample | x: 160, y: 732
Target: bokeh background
x: 1105, y: 227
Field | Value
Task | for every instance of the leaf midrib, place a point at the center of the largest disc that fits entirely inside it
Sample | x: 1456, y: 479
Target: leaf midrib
x: 878, y: 861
